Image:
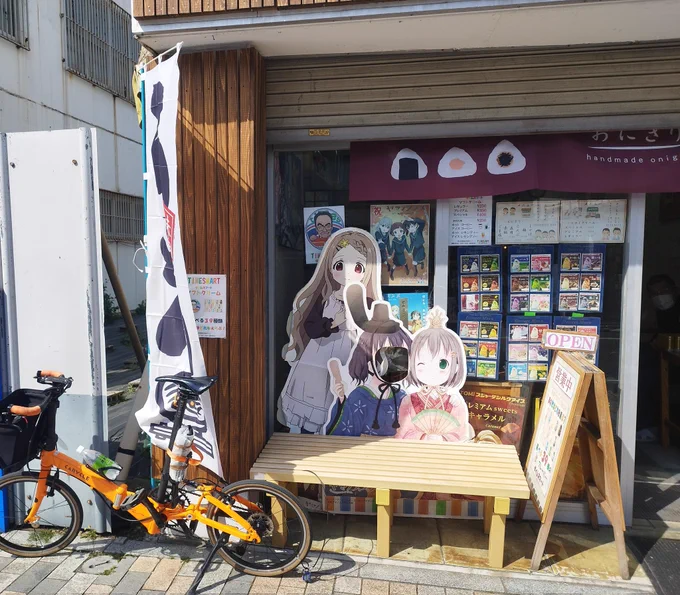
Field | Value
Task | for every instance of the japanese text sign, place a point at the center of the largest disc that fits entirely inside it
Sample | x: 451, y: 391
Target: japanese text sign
x: 209, y: 302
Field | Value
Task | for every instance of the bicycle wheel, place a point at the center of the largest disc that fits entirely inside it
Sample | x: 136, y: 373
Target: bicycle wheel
x: 60, y: 516
x: 282, y: 524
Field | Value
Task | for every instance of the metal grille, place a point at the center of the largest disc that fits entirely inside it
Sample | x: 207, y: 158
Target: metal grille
x: 100, y: 46
x: 122, y: 216
x: 14, y: 21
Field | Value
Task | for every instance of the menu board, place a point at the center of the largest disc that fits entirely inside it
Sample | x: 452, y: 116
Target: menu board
x: 581, y: 282
x: 479, y: 279
x: 530, y: 279
x: 552, y: 428
x: 209, y: 304
x: 470, y: 221
x: 527, y: 358
x: 586, y: 326
x: 532, y: 222
x: 593, y: 221
x: 500, y: 408
x: 481, y: 335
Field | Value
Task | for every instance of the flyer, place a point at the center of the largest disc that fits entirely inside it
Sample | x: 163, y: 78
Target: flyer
x: 410, y: 308
x: 470, y: 221
x: 528, y: 360
x: 581, y: 281
x: 320, y: 224
x: 602, y: 221
x: 481, y: 340
x: 531, y: 222
x: 209, y: 302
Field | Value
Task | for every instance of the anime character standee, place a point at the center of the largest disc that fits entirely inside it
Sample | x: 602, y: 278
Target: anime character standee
x: 319, y: 328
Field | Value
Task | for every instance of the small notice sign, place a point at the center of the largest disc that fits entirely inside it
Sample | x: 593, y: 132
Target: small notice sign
x: 569, y: 341
x: 470, y: 221
x: 209, y: 303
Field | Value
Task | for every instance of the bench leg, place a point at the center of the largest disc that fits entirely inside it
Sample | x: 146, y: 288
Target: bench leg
x: 279, y: 518
x: 383, y: 501
x: 501, y: 508
x: 488, y: 511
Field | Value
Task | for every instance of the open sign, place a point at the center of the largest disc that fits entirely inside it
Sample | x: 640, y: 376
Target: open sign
x: 569, y: 341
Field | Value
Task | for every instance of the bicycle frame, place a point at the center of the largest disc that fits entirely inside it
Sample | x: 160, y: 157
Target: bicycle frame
x: 116, y: 493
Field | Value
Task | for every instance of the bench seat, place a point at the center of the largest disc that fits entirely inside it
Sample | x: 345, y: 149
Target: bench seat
x: 491, y: 471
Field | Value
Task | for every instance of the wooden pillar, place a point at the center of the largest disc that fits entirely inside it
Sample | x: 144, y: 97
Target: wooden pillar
x: 222, y: 208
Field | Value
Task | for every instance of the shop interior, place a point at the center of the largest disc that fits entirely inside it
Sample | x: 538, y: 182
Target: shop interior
x: 315, y: 179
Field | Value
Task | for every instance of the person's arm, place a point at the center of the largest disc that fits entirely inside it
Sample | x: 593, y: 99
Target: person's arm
x: 316, y: 325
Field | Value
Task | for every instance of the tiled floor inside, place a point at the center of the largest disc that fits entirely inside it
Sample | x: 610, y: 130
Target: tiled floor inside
x: 572, y: 550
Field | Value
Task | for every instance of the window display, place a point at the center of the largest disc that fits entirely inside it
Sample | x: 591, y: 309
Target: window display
x: 528, y: 360
x: 480, y: 283
x: 581, y: 277
x: 530, y: 279
x: 481, y: 334
x: 587, y: 326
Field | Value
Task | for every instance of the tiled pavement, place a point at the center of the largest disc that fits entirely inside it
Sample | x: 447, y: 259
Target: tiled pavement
x: 155, y: 567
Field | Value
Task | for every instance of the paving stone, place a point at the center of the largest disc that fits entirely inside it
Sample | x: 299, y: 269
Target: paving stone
x: 77, y: 585
x: 322, y: 586
x: 213, y: 581
x: 430, y: 590
x: 161, y: 578
x: 180, y: 585
x: 7, y: 579
x: 68, y: 567
x: 95, y: 589
x: 122, y: 566
x: 375, y: 587
x: 49, y: 586
x: 459, y: 592
x: 348, y: 584
x: 147, y: 592
x: 402, y: 589
x: 86, y: 544
x: 144, y: 564
x: 237, y: 583
x: 32, y: 576
x: 131, y: 584
x: 20, y: 565
x: 265, y: 585
x: 549, y: 587
x: 436, y: 578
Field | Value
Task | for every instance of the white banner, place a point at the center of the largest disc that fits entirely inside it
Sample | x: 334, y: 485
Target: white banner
x: 174, y: 347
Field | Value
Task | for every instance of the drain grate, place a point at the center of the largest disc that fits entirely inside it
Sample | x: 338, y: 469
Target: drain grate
x: 659, y: 558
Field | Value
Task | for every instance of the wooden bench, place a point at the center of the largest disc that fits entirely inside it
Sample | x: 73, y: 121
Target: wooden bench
x: 492, y: 471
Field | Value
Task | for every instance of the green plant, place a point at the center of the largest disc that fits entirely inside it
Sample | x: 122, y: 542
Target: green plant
x: 89, y: 534
x: 42, y: 536
x: 140, y: 309
x: 111, y: 310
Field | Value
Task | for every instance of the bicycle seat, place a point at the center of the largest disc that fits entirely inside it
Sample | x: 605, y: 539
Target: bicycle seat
x: 196, y: 385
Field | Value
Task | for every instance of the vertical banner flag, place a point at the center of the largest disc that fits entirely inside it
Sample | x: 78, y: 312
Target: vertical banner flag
x: 174, y: 346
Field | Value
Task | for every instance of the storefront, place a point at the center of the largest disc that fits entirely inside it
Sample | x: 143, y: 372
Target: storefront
x: 302, y: 132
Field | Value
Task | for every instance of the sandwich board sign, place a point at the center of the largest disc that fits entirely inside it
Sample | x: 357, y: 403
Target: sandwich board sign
x: 574, y: 403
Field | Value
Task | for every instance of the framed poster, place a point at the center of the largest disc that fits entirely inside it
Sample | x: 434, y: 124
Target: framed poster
x: 593, y: 221
x: 530, y: 279
x: 481, y: 334
x: 531, y: 222
x: 470, y: 221
x: 581, y: 280
x: 403, y: 236
x: 528, y: 360
x: 320, y: 224
x: 410, y: 308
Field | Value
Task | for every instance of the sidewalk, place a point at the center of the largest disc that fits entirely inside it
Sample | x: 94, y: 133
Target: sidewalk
x: 163, y: 565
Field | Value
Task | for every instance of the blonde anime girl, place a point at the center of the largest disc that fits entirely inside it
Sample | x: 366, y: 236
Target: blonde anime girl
x: 319, y: 328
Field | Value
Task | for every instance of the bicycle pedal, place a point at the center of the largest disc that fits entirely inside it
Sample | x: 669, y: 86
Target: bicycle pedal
x: 133, y: 499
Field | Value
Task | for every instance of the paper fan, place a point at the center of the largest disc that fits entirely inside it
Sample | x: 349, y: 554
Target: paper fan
x: 435, y: 421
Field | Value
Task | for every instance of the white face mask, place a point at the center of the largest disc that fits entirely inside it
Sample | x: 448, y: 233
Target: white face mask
x: 663, y: 302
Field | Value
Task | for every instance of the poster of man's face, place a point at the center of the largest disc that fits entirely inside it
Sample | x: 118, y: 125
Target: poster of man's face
x: 320, y: 224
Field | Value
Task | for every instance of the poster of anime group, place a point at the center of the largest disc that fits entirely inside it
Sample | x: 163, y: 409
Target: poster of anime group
x: 357, y: 369
x: 402, y: 233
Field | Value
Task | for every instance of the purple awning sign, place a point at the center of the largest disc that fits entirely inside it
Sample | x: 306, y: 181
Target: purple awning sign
x: 595, y: 162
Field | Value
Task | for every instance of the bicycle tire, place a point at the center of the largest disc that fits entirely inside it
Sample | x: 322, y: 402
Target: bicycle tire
x: 41, y: 549
x: 279, y: 492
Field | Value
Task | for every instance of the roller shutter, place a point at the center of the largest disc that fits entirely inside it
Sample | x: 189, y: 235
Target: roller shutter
x: 458, y: 87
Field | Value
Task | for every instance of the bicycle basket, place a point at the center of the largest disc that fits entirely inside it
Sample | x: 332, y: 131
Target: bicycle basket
x: 20, y: 437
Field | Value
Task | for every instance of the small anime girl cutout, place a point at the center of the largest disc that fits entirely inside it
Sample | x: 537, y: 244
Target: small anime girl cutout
x: 319, y: 328
x: 399, y: 248
x: 437, y: 370
x: 416, y: 240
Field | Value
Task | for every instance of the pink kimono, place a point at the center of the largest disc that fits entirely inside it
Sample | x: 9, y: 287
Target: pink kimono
x: 429, y: 398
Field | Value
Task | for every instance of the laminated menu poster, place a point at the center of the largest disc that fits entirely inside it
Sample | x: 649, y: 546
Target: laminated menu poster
x: 209, y: 303
x: 584, y: 325
x: 593, y: 221
x: 410, y: 308
x: 528, y: 360
x: 481, y: 334
x: 546, y: 446
x: 581, y: 281
x: 470, y: 221
x: 530, y: 279
x: 320, y: 224
x: 479, y: 279
x: 532, y: 222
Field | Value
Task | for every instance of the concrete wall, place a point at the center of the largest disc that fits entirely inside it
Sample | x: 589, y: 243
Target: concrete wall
x: 37, y: 93
x: 134, y: 282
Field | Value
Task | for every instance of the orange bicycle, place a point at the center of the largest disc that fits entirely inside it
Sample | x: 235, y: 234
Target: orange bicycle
x: 256, y: 526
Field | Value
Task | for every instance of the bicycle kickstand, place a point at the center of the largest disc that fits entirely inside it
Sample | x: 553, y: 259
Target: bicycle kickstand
x: 221, y: 541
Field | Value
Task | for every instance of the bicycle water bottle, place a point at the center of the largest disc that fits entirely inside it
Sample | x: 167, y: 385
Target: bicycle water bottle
x: 99, y: 462
x: 180, y: 451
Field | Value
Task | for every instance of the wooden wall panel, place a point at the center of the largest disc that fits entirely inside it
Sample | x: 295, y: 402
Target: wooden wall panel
x: 222, y: 208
